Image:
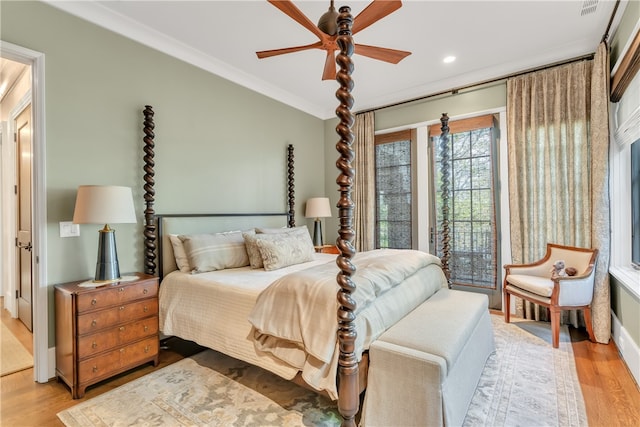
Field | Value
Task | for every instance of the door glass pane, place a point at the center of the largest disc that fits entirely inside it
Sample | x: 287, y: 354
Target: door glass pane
x: 471, y: 218
x: 393, y: 195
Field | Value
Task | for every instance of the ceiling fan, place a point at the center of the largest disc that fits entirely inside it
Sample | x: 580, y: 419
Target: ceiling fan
x: 327, y: 29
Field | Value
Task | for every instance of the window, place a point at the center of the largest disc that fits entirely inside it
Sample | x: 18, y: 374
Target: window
x: 625, y: 221
x: 393, y: 190
x: 467, y: 164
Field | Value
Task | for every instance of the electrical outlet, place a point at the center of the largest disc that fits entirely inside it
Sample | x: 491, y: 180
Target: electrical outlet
x: 69, y: 229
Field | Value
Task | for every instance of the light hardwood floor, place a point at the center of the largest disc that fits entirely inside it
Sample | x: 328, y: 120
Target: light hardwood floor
x: 611, y: 396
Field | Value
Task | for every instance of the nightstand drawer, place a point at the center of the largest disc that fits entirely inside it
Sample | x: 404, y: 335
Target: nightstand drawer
x: 89, y: 345
x: 103, y: 298
x: 94, y: 321
x: 106, y: 364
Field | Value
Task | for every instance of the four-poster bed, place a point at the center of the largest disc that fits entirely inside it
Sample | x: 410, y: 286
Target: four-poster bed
x: 231, y: 308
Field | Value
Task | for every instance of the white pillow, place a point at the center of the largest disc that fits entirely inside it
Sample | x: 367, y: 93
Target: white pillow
x: 179, y: 254
x: 285, y: 249
x: 209, y: 252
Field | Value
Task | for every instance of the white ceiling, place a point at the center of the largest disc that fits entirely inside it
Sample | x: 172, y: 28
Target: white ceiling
x: 489, y: 38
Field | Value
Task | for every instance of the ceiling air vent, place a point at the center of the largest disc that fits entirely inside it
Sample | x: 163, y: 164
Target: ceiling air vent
x: 588, y: 6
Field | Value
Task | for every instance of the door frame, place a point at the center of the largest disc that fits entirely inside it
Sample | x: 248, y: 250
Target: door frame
x: 43, y: 364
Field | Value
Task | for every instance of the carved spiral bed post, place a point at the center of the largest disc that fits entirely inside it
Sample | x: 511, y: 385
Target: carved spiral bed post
x: 149, y: 193
x: 444, y: 188
x: 291, y: 195
x: 348, y: 387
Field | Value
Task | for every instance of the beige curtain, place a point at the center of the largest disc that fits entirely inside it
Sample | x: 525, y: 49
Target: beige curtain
x: 364, y: 185
x: 558, y: 170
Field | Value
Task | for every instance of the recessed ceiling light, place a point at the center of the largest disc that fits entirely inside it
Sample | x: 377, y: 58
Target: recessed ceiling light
x: 449, y: 59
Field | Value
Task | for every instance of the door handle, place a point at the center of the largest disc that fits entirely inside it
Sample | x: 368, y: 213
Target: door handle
x: 27, y: 246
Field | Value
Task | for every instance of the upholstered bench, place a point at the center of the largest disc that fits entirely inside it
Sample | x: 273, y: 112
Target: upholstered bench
x: 423, y: 371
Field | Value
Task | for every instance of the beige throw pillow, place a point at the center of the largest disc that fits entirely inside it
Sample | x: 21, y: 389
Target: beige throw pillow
x: 182, y: 262
x: 285, y: 249
x: 255, y: 258
x: 209, y: 252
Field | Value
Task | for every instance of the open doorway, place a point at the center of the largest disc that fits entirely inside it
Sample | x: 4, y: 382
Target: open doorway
x: 22, y: 192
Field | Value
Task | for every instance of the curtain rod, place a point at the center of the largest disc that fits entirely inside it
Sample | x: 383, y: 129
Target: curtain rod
x: 605, y: 36
x: 454, y: 91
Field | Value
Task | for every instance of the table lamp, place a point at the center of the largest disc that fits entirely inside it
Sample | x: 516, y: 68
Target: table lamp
x: 317, y: 207
x: 105, y: 204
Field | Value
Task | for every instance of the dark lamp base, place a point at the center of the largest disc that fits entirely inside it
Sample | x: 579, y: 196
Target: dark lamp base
x: 107, y: 269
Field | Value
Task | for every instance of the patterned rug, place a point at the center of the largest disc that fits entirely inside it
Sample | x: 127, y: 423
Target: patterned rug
x: 525, y: 383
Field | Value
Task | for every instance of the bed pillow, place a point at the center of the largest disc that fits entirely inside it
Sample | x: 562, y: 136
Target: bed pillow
x: 255, y: 258
x: 179, y: 254
x: 261, y: 230
x: 209, y: 252
x: 284, y: 249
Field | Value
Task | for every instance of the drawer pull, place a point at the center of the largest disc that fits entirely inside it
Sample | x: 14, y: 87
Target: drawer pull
x: 146, y: 328
x: 94, y: 345
x: 145, y: 291
x: 94, y: 301
x: 95, y: 369
x: 145, y: 309
x: 122, y: 328
x: 146, y: 349
x: 94, y: 322
x: 121, y: 290
x: 121, y: 307
x: 122, y: 350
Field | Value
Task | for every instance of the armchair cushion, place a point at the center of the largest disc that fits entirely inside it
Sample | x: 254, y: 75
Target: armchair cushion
x: 538, y: 285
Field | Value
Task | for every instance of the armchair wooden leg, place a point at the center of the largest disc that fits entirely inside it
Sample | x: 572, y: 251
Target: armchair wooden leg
x: 587, y: 322
x: 507, y: 307
x: 555, y: 328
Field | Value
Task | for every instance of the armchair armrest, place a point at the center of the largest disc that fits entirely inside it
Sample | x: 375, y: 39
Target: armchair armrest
x: 535, y: 269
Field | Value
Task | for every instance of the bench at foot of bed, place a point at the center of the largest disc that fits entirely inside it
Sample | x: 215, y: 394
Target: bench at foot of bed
x: 425, y: 368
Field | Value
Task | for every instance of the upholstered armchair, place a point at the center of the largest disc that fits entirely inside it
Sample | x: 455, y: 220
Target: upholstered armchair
x: 536, y: 283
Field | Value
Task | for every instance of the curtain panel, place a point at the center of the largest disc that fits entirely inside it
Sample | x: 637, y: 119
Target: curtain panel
x: 558, y: 170
x: 364, y: 215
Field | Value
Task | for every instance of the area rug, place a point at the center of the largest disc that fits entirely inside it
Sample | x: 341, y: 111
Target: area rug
x: 525, y: 382
x: 14, y: 356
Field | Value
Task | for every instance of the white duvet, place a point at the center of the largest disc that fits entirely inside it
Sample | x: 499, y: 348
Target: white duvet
x: 293, y: 310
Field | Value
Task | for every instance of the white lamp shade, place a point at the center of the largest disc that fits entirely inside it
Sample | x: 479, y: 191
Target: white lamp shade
x: 318, y: 207
x: 104, y: 204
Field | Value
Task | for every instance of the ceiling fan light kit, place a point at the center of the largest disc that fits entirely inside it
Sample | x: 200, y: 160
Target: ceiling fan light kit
x: 328, y: 22
x: 326, y: 31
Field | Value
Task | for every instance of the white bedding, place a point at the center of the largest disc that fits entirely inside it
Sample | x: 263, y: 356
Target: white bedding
x: 213, y: 309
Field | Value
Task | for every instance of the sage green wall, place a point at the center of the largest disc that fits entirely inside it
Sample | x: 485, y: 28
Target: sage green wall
x: 219, y: 147
x: 627, y: 309
x: 624, y: 32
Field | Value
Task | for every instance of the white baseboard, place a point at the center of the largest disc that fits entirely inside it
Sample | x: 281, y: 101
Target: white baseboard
x: 629, y: 350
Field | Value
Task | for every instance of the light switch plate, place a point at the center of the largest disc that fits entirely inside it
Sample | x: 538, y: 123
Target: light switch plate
x: 69, y: 229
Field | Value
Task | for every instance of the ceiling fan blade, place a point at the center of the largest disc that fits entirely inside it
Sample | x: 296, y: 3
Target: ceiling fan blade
x: 376, y: 10
x: 294, y: 13
x: 381, y: 53
x: 275, y: 52
x: 329, y: 72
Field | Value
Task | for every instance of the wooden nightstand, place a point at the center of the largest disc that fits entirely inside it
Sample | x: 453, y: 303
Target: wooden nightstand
x: 103, y: 331
x: 327, y: 249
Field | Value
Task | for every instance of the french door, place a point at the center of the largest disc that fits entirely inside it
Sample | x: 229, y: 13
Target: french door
x: 464, y: 219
